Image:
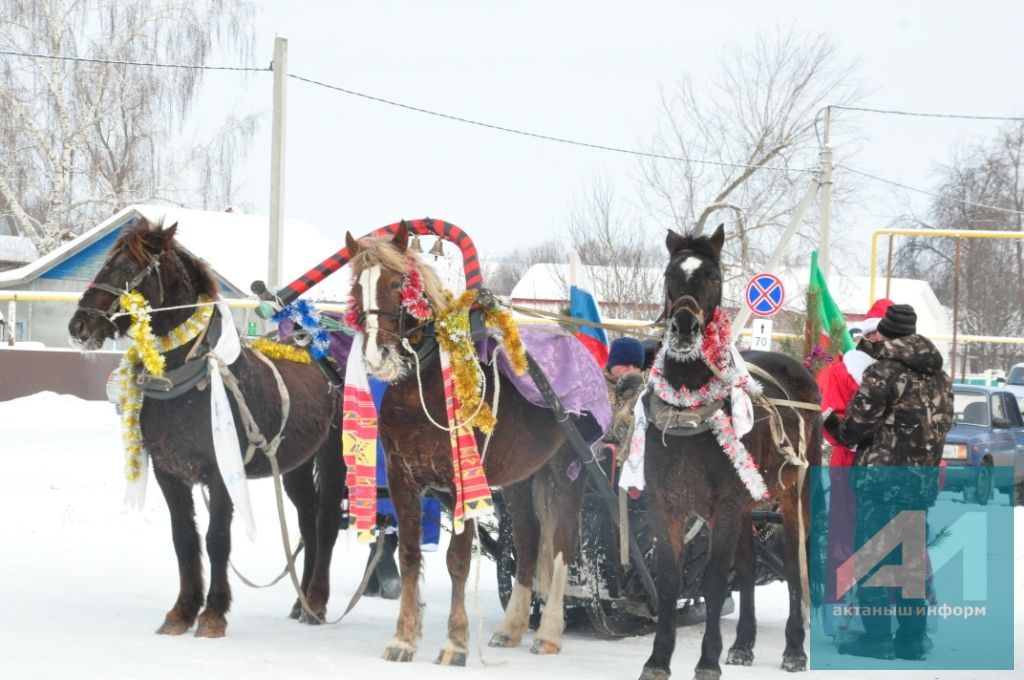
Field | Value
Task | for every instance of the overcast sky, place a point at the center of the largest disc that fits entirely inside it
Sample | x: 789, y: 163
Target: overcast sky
x: 589, y: 71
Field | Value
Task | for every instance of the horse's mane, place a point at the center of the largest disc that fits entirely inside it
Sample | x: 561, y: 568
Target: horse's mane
x: 141, y: 240
x: 381, y: 252
x: 693, y: 244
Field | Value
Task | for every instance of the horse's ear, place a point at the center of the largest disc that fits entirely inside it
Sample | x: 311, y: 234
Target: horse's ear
x: 168, y: 234
x: 351, y: 244
x: 401, y: 237
x: 674, y: 242
x: 718, y: 240
x: 161, y: 239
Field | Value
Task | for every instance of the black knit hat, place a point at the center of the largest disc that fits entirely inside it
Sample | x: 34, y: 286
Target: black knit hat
x: 899, y: 320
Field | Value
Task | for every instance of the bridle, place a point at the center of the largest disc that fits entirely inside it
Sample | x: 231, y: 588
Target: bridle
x: 112, y: 310
x: 684, y: 302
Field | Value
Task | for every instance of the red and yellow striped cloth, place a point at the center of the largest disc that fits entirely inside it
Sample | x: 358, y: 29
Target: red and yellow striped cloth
x: 472, y: 494
x: 359, y: 443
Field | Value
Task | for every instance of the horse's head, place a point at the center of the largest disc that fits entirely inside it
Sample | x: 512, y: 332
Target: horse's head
x: 147, y: 259
x: 392, y: 296
x: 693, y: 289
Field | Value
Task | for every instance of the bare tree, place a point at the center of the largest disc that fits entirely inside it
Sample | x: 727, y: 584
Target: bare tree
x: 756, y: 123
x: 980, y: 179
x: 83, y: 138
x: 625, y: 259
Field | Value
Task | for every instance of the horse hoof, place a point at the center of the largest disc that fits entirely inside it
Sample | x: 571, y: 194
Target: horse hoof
x: 296, y: 612
x: 706, y: 674
x: 504, y: 640
x: 395, y: 653
x: 450, y: 657
x: 310, y: 619
x: 211, y: 625
x: 654, y: 674
x: 173, y: 628
x: 738, y: 656
x: 794, y: 663
x: 211, y: 630
x: 545, y: 647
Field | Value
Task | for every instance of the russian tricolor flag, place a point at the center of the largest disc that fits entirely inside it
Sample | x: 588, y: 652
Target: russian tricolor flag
x: 583, y: 306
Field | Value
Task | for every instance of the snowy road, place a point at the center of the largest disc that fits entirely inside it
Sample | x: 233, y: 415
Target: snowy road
x: 85, y: 583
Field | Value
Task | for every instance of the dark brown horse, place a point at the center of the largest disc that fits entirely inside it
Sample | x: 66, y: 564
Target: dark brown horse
x: 526, y: 457
x: 177, y: 432
x: 690, y: 477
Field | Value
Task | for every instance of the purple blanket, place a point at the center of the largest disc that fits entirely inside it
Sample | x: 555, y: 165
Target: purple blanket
x: 570, y: 368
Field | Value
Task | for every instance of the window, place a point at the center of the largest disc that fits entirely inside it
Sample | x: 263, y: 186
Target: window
x: 1016, y: 376
x: 971, y: 408
x: 998, y: 408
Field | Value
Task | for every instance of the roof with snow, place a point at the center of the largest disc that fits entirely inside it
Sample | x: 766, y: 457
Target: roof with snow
x: 17, y: 249
x: 234, y: 245
x: 548, y: 283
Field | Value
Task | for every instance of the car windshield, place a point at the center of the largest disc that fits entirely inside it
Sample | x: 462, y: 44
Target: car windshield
x: 1016, y: 376
x: 970, y: 408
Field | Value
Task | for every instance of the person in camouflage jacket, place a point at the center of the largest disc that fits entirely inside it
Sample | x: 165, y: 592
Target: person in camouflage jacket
x: 904, y: 407
x: 899, y: 417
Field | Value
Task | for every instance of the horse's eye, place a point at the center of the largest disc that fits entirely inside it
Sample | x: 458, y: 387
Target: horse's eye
x: 396, y: 285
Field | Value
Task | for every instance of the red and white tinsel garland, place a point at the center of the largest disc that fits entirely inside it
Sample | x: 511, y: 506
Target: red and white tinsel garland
x: 715, y: 349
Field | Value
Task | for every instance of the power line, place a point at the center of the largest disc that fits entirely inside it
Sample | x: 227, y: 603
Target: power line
x: 896, y: 112
x: 195, y: 67
x: 549, y: 138
x: 925, y: 192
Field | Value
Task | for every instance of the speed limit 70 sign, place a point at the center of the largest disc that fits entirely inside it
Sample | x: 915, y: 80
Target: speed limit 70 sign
x: 761, y: 335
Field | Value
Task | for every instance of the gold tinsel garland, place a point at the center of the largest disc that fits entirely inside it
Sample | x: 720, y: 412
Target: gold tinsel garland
x: 454, y: 336
x: 146, y: 349
x: 511, y: 340
x: 277, y: 350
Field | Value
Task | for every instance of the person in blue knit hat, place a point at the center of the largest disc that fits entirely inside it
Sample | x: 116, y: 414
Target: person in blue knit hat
x: 625, y: 354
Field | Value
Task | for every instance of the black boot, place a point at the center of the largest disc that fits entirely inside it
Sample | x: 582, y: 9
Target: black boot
x: 386, y: 574
x: 373, y: 585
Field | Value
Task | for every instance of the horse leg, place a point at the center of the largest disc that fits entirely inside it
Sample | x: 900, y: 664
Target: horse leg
x: 331, y: 469
x: 742, y: 651
x: 301, y: 490
x: 725, y: 526
x: 406, y: 500
x: 460, y: 553
x: 558, y: 499
x: 526, y: 539
x: 178, y: 495
x: 668, y: 547
x: 794, y: 659
x: 212, y: 623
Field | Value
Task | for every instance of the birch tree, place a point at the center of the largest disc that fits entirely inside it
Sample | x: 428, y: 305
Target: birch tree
x: 81, y: 139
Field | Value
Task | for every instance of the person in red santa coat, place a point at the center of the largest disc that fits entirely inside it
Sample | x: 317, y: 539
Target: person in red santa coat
x: 839, y: 382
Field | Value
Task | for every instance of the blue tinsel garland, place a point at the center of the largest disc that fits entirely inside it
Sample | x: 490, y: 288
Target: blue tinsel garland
x: 303, y: 313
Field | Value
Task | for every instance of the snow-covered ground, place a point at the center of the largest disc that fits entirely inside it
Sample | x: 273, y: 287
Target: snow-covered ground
x: 84, y: 583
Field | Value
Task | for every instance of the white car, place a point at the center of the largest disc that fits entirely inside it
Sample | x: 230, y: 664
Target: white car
x: 1015, y: 384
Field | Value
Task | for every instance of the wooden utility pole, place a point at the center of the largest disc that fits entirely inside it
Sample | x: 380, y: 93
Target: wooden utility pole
x: 274, y: 274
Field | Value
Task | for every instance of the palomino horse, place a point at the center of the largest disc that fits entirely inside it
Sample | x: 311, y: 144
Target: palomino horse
x: 176, y: 432
x: 527, y: 457
x: 690, y: 478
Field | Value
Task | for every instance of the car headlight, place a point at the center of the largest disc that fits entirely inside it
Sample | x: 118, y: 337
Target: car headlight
x: 954, y: 452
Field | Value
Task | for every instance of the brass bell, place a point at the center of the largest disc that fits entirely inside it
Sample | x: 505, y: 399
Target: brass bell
x: 437, y: 250
x: 416, y: 247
